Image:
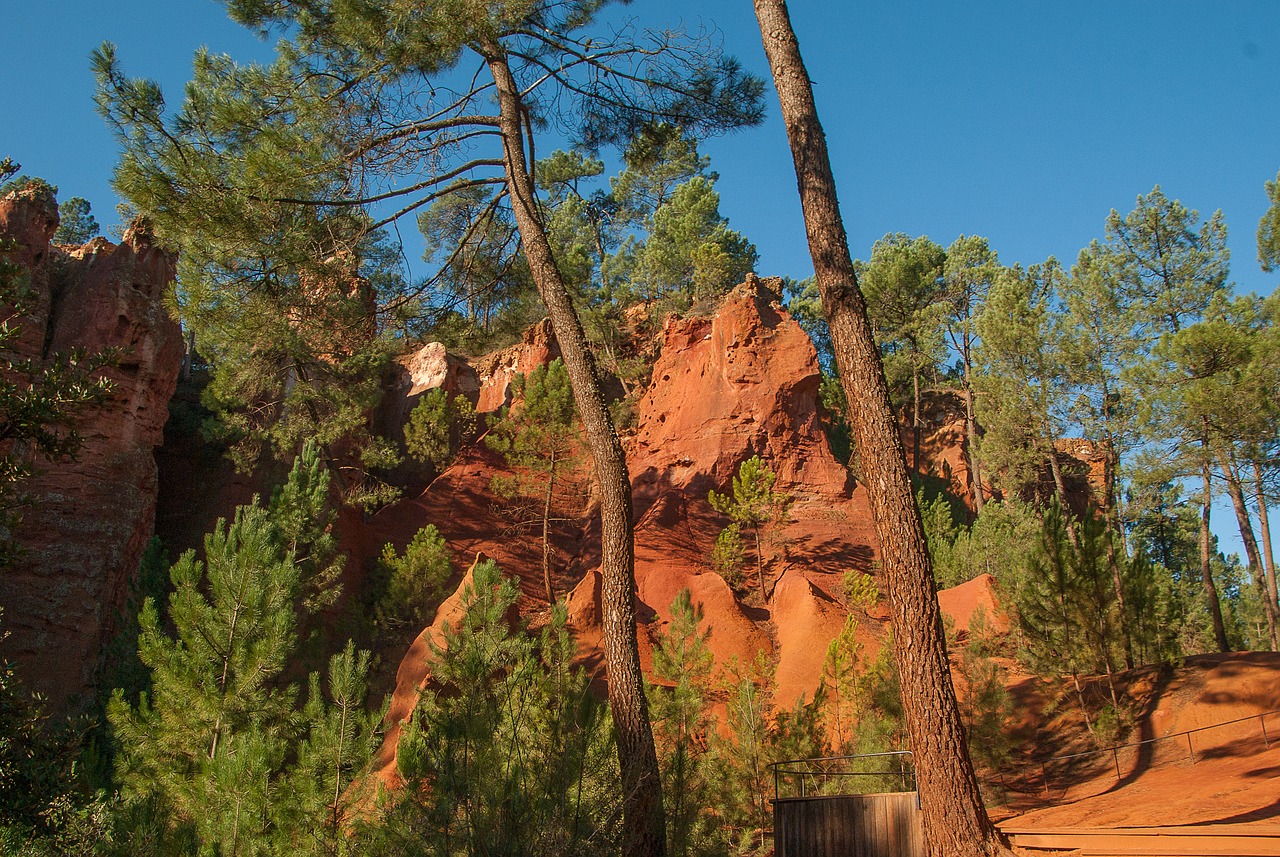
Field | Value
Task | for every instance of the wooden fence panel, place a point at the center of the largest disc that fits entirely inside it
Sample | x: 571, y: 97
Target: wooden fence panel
x: 879, y: 825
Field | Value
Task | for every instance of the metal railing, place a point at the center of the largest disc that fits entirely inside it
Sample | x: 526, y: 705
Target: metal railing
x: 1165, y: 750
x: 845, y: 775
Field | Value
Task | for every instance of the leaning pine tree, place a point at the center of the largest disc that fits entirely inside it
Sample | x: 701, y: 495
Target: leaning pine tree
x: 955, y: 818
x: 281, y: 176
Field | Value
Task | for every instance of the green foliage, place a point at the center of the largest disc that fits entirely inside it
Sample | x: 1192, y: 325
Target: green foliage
x: 754, y: 738
x: 1269, y: 229
x: 753, y: 504
x: 208, y: 738
x: 278, y: 181
x: 883, y: 724
x: 415, y: 581
x: 728, y: 555
x: 682, y: 727
x: 303, y: 516
x: 840, y: 671
x: 1170, y: 264
x: 438, y: 427
x: 690, y: 250
x: 218, y: 754
x: 1021, y: 399
x: 507, y: 752
x: 76, y: 225
x: 539, y: 439
x: 341, y: 736
x: 903, y: 284
x: 859, y: 590
x: 125, y: 671
x: 995, y: 544
x: 35, y: 760
x: 985, y: 703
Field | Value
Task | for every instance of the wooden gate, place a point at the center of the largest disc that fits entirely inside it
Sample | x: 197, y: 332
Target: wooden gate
x: 876, y: 825
x: 847, y: 806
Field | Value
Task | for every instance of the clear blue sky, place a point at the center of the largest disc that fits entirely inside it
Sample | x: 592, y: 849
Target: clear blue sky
x: 1026, y: 122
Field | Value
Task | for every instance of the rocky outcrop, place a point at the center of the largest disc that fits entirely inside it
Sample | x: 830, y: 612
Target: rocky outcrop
x: 743, y: 382
x: 90, y: 517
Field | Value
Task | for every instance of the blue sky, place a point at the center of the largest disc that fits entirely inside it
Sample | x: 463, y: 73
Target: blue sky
x: 1026, y: 122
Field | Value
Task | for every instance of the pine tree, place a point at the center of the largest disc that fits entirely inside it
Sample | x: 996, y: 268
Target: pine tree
x: 540, y: 438
x: 415, y: 581
x: 970, y: 268
x: 752, y: 504
x: 303, y: 516
x: 507, y: 751
x: 295, y: 205
x: 682, y: 725
x: 904, y: 287
x: 438, y: 427
x: 209, y: 738
x: 955, y: 818
x: 1023, y: 381
x: 76, y: 225
x: 840, y: 671
x: 340, y: 738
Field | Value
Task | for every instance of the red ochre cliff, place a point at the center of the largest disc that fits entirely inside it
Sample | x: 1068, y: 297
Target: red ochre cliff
x: 741, y: 383
x: 91, y: 517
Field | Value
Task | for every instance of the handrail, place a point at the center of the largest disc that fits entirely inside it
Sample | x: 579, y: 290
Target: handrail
x: 1260, y: 716
x: 816, y: 766
x: 1115, y: 749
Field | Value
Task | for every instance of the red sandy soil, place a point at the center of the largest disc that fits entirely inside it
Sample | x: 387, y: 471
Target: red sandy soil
x: 1235, y: 779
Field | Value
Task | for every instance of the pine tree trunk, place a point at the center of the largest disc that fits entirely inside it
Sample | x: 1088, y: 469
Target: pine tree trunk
x: 1116, y: 531
x: 644, y: 828
x: 1206, y: 570
x: 546, y: 532
x: 1268, y: 558
x: 955, y: 819
x: 915, y: 418
x: 1236, y: 491
x: 1060, y: 489
x: 764, y: 593
x: 971, y: 434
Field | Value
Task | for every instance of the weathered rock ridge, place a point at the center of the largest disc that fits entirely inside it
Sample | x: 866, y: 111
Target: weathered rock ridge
x: 742, y: 383
x: 91, y: 517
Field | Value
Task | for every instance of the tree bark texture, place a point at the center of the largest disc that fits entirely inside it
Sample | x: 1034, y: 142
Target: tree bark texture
x: 1264, y: 528
x: 955, y: 819
x: 1236, y: 491
x: 644, y: 828
x: 971, y: 437
x: 1206, y: 569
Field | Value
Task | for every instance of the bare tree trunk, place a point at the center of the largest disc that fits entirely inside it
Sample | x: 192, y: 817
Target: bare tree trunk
x: 644, y: 828
x: 1113, y: 562
x: 971, y: 434
x: 1236, y: 491
x: 1206, y: 570
x: 546, y: 532
x: 1060, y: 489
x: 1268, y: 558
x: 764, y: 593
x: 955, y: 819
x: 915, y: 418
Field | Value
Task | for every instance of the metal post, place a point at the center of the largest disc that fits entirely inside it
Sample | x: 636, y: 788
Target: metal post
x: 1115, y: 755
x: 1044, y: 774
x: 1262, y: 718
x: 1191, y: 754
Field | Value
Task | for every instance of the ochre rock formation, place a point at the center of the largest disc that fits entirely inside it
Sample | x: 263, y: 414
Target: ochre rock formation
x: 741, y: 383
x: 496, y: 371
x: 91, y: 517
